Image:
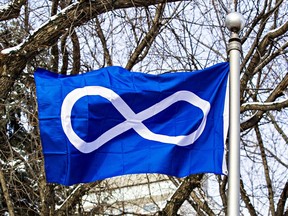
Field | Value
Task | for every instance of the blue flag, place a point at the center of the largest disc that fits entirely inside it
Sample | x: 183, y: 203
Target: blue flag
x: 112, y: 122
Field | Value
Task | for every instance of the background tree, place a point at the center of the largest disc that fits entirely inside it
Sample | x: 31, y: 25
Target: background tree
x: 71, y: 37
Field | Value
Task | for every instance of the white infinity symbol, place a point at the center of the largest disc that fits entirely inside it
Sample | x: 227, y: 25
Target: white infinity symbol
x: 133, y: 120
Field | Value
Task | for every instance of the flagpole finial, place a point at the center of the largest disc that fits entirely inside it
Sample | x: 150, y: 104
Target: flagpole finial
x: 235, y: 22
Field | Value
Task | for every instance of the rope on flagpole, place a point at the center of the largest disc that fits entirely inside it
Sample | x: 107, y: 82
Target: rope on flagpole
x: 235, y: 23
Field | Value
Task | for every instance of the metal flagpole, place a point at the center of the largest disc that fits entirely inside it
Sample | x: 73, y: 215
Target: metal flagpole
x: 235, y: 23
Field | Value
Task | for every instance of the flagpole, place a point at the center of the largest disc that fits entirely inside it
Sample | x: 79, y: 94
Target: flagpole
x: 235, y: 23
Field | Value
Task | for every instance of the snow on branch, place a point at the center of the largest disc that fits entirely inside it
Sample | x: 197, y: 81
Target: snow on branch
x: 278, y: 31
x: 72, y: 16
x: 41, y: 30
x: 277, y: 105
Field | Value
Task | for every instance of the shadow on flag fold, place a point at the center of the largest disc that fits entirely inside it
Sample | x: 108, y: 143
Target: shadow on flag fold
x: 112, y: 122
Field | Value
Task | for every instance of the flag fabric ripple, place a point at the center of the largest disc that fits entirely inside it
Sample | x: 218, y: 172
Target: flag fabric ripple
x: 111, y: 122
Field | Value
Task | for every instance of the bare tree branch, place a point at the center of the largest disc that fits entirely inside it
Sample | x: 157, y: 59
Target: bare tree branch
x: 76, y: 53
x: 261, y: 48
x: 11, y: 10
x: 147, y: 40
x: 13, y: 60
x: 54, y: 48
x: 203, y: 205
x: 6, y: 192
x: 282, y: 201
x: 278, y: 128
x: 247, y: 200
x: 266, y: 170
x: 222, y: 190
x: 258, y: 115
x: 199, y: 205
x: 100, y: 33
x: 180, y: 195
x: 64, y: 50
x: 261, y: 16
x: 74, y: 197
x: 277, y: 105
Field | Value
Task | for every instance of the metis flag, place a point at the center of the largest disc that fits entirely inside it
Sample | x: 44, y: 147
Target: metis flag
x: 112, y: 122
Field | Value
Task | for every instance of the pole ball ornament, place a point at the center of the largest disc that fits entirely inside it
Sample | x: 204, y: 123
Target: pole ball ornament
x: 235, y: 22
